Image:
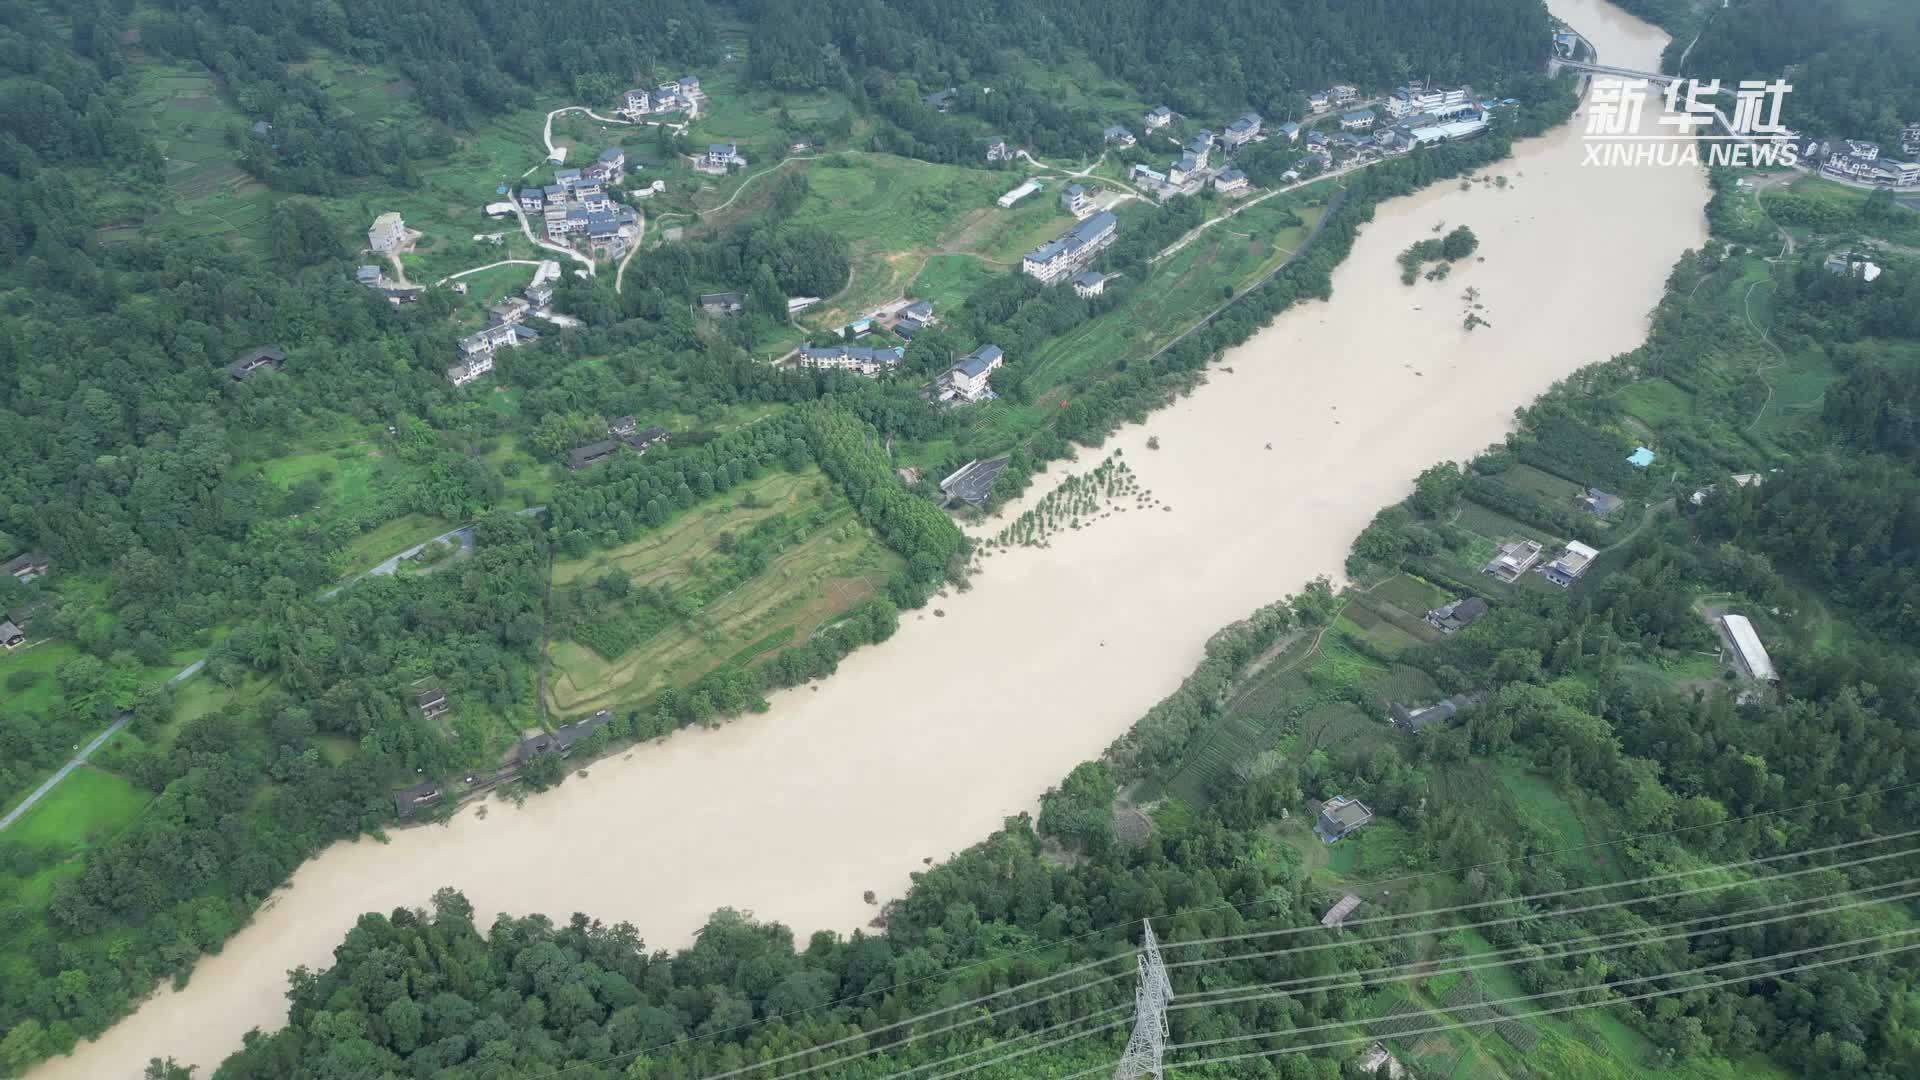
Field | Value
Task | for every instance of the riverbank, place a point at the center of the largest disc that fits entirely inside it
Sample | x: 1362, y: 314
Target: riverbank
x: 920, y: 746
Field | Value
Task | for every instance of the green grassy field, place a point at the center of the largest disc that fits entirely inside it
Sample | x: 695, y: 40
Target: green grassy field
x: 948, y: 280
x: 90, y: 805
x: 805, y: 586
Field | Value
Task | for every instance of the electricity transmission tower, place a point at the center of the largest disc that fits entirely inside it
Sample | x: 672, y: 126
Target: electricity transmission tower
x: 1149, y: 1039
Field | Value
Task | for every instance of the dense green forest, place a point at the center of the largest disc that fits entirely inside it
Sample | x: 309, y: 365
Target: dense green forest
x: 1204, y: 57
x: 1855, y: 63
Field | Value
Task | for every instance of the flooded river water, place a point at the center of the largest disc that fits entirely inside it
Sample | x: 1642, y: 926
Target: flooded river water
x: 920, y: 746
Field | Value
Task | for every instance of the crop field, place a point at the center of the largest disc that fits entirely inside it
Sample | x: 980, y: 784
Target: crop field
x: 364, y: 91
x: 804, y: 586
x: 1655, y: 402
x: 1554, y: 490
x: 181, y: 108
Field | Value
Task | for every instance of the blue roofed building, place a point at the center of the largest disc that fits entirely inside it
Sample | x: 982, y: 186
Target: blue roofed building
x: 1062, y: 258
x: 967, y: 379
x: 1640, y: 458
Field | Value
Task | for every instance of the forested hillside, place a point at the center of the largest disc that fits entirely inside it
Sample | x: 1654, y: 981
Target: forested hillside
x: 1269, y: 54
x: 1855, y: 63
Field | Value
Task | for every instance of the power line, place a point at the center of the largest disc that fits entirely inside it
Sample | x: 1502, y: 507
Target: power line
x: 1510, y: 919
x: 1108, y: 929
x: 1563, y: 993
x: 1536, y: 1014
x: 1341, y: 944
x: 1677, y: 894
x: 917, y: 1036
x: 1119, y: 1023
x: 1405, y: 972
x: 1554, y: 894
x: 1018, y: 1038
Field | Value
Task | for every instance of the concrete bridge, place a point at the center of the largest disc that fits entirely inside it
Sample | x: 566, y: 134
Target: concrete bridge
x: 1557, y: 63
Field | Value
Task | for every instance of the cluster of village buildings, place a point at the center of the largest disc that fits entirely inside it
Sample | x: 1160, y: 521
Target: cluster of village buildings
x: 432, y: 704
x: 623, y: 433
x: 1416, y: 115
x: 1864, y: 162
x: 579, y: 203
x: 506, y: 329
x: 676, y: 96
x: 966, y: 381
x: 23, y: 568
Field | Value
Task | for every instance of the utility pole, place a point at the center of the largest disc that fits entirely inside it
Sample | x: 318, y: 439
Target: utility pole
x: 1149, y: 1039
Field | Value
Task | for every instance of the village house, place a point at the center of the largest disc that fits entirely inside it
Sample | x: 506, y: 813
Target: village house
x: 1201, y: 146
x: 967, y: 379
x: 1338, y: 914
x: 1515, y: 558
x: 1357, y: 120
x: 1441, y: 714
x: 539, y: 295
x: 721, y: 156
x: 1343, y: 94
x: 533, y: 200
x: 907, y: 326
x: 973, y: 482
x: 858, y: 359
x: 1183, y: 170
x: 1847, y: 264
x: 264, y: 358
x: 563, y: 740
x: 1119, y: 136
x: 942, y: 100
x: 1160, y: 117
x: 1291, y: 130
x: 1228, y: 181
x: 723, y: 303
x: 11, y: 636
x: 1412, y: 99
x: 1746, y: 645
x: 1340, y: 817
x: 1072, y: 252
x: 1073, y: 199
x: 1242, y: 131
x: 1598, y: 503
x: 470, y: 369
x: 27, y: 567
x: 388, y: 233
x: 1571, y: 565
x: 1025, y: 189
x: 613, y: 161
x: 1089, y: 283
x: 1376, y: 1056
x: 1319, y: 101
x: 431, y: 702
x: 636, y: 103
x: 1458, y: 615
x: 581, y: 457
x: 408, y: 800
x: 919, y: 309
x: 997, y: 149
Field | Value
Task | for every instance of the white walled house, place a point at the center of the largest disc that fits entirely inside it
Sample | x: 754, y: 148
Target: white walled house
x: 1072, y: 252
x: 388, y: 233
